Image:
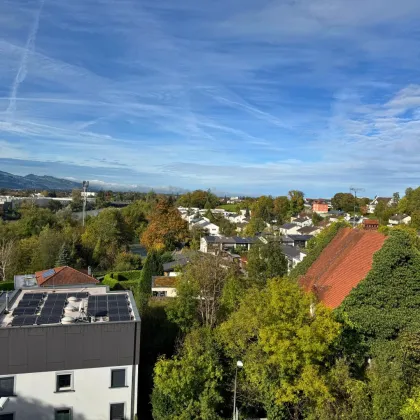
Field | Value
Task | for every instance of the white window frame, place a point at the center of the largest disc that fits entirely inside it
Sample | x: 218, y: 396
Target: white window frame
x: 113, y: 403
x: 65, y: 389
x: 64, y: 408
x: 14, y: 386
x: 125, y: 378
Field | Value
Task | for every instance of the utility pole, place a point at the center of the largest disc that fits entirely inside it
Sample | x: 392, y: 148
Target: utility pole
x: 355, y: 191
x: 85, y: 186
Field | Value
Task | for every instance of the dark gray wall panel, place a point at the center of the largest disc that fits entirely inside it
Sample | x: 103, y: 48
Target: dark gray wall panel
x: 51, y: 348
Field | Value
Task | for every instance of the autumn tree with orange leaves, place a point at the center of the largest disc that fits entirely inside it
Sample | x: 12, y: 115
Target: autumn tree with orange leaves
x: 166, y: 228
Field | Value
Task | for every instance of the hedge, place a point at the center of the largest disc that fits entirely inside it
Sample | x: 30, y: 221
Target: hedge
x: 316, y: 245
x: 7, y: 285
x: 114, y: 284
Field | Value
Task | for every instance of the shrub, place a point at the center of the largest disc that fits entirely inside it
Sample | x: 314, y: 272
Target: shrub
x: 315, y: 246
x: 7, y: 285
x: 111, y: 282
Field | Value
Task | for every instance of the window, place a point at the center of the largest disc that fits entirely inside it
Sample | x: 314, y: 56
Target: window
x: 117, y: 411
x: 62, y: 414
x: 117, y: 378
x: 64, y: 382
x: 9, y: 416
x: 7, y: 386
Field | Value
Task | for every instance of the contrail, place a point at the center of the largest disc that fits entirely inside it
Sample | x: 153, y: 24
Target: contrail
x: 23, y: 70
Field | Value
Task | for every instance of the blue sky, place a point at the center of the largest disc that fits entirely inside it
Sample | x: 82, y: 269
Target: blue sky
x: 254, y: 97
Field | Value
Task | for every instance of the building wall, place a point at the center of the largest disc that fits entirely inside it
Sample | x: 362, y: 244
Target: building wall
x: 170, y: 291
x: 36, y: 396
x: 62, y: 347
x: 320, y: 208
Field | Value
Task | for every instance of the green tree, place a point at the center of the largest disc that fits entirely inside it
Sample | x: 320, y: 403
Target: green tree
x: 415, y: 219
x: 263, y: 208
x: 283, y: 347
x: 189, y: 386
x: 396, y: 198
x: 344, y: 202
x: 297, y: 202
x: 126, y: 261
x: 63, y: 257
x: 135, y: 216
x: 255, y: 226
x: 105, y: 236
x: 266, y: 261
x: 387, y: 301
x: 77, y: 202
x: 281, y: 208
x: 199, y: 292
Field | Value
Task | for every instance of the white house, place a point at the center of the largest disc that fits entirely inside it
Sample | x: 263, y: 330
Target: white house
x: 164, y: 286
x: 210, y: 227
x: 399, y: 219
x: 372, y: 205
x: 289, y: 229
x: 302, y: 221
x: 69, y: 353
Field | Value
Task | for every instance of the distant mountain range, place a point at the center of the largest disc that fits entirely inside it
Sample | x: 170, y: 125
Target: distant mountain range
x: 46, y: 182
x: 35, y: 182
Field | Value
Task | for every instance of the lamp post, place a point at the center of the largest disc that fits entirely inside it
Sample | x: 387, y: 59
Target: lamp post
x: 239, y: 364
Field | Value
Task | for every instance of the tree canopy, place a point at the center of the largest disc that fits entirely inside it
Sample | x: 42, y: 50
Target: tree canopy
x: 199, y: 198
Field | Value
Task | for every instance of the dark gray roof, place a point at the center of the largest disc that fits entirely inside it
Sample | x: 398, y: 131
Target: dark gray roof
x: 288, y: 225
x: 229, y: 240
x: 398, y: 217
x: 300, y: 237
x: 336, y: 212
x: 300, y: 219
x: 290, y: 251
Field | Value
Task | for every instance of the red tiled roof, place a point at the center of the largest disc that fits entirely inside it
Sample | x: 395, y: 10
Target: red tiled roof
x: 63, y: 276
x: 342, y: 265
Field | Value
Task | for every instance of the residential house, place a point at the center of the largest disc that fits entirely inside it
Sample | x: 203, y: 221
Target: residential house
x: 164, y: 286
x: 299, y: 241
x: 302, y: 221
x: 217, y: 244
x: 320, y: 207
x: 372, y: 205
x: 399, y: 219
x: 58, y: 276
x: 370, y: 224
x: 210, y: 227
x: 293, y: 254
x: 69, y: 352
x: 342, y: 265
x: 289, y: 229
x: 309, y: 230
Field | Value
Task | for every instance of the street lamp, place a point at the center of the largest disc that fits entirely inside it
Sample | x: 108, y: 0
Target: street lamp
x: 239, y: 364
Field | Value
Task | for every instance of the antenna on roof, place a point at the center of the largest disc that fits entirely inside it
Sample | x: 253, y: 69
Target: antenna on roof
x: 355, y: 190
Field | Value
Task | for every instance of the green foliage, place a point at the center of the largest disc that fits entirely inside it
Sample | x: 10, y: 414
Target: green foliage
x: 198, y: 198
x: 126, y: 261
x: 113, y: 284
x: 105, y: 236
x: 263, y: 208
x: 188, y: 386
x: 281, y: 209
x: 388, y: 300
x: 63, y: 257
x: 255, y: 226
x: 297, y: 202
x: 284, y: 349
x: 135, y: 216
x: 411, y: 202
x: 7, y: 285
x: 344, y: 202
x: 315, y: 247
x: 383, y: 212
x: 266, y: 261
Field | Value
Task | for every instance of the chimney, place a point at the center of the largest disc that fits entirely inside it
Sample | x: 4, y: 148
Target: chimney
x: 90, y: 271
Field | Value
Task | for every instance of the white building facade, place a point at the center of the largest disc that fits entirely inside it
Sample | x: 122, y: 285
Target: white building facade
x: 74, y: 357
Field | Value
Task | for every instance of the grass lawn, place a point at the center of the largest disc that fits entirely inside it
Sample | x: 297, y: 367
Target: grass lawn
x: 228, y: 207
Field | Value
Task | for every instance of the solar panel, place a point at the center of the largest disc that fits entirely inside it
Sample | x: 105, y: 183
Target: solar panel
x: 48, y: 273
x: 25, y: 311
x: 24, y: 320
x: 52, y: 319
x: 25, y: 303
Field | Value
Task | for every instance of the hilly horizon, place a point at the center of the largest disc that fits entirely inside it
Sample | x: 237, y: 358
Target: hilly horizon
x: 48, y: 182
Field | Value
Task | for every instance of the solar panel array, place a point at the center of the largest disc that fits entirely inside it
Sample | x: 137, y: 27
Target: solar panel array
x: 114, y: 306
x: 29, y: 304
x: 51, y: 312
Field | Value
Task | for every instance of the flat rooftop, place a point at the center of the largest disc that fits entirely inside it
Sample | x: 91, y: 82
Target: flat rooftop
x: 66, y: 306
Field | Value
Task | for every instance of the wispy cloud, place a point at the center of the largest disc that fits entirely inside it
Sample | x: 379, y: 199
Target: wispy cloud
x: 250, y: 96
